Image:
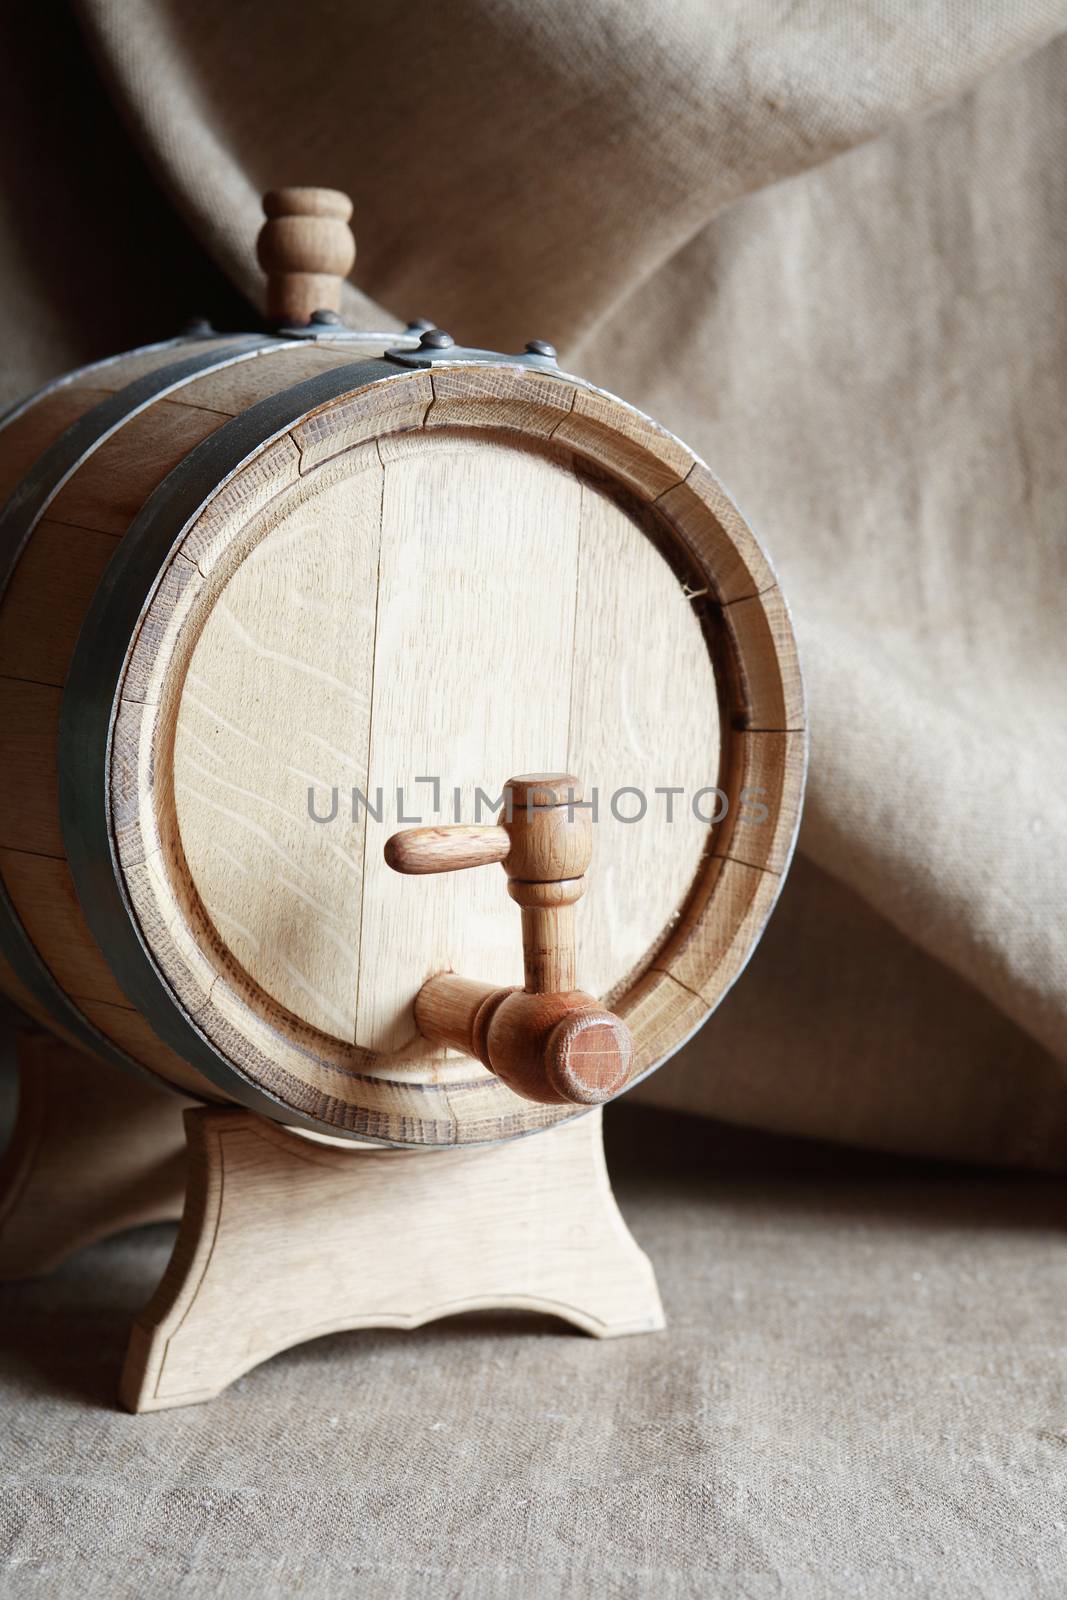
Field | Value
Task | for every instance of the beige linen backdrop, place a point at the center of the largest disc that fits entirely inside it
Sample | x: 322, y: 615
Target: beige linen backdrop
x: 827, y: 244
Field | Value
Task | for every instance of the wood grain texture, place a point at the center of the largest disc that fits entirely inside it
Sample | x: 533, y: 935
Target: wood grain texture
x: 306, y: 249
x: 644, y: 717
x: 622, y: 442
x: 766, y: 781
x: 38, y: 422
x: 661, y: 1014
x: 553, y: 1047
x: 68, y: 1180
x: 281, y: 1242
x: 713, y: 529
x: 40, y: 617
x: 118, y: 371
x: 29, y: 794
x: 42, y: 892
x: 529, y: 402
x: 469, y: 517
x: 15, y: 991
x: 276, y: 702
x: 461, y: 693
x: 709, y: 950
x: 375, y: 412
x: 232, y: 389
x: 45, y: 603
x: 767, y: 691
x: 127, y: 1028
x: 116, y: 480
x: 550, y: 1042
x: 29, y: 434
x: 448, y: 849
x: 523, y: 600
x: 237, y: 503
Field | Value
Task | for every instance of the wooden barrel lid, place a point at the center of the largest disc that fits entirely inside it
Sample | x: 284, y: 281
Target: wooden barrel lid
x: 393, y: 601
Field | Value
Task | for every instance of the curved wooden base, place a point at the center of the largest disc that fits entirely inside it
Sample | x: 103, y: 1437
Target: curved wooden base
x: 94, y: 1150
x: 285, y: 1238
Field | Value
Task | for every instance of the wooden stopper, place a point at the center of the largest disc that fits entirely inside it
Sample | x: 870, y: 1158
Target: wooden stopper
x: 307, y: 250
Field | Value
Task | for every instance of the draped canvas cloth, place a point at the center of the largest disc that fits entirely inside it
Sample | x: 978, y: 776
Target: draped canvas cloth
x: 827, y: 245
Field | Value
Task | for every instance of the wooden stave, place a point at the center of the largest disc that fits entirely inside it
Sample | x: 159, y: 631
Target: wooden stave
x: 173, y: 365
x: 85, y: 732
x: 110, y: 1027
x: 25, y: 978
x: 661, y: 968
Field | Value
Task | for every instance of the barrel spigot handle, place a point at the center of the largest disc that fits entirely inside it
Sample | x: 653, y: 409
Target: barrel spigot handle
x: 307, y: 250
x: 549, y: 1041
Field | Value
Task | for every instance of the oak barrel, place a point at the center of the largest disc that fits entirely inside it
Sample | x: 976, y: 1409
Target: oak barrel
x: 260, y: 594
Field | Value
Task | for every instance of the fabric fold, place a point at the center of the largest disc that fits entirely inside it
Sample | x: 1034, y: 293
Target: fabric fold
x: 825, y: 246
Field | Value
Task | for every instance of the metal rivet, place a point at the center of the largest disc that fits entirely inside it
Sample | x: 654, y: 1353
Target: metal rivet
x: 540, y: 347
x: 330, y: 318
x: 436, y: 339
x: 419, y: 325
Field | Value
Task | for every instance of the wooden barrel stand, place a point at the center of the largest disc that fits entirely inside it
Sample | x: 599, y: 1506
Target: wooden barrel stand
x: 248, y: 579
x: 282, y: 1235
x: 284, y: 1239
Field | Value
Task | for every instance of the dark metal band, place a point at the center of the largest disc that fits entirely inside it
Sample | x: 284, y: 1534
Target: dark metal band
x: 30, y: 499
x: 18, y: 518
x: 89, y: 708
x: 78, y: 375
x: 426, y: 356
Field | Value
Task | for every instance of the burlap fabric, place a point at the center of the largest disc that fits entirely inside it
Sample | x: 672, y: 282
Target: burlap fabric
x: 859, y: 1397
x: 825, y: 245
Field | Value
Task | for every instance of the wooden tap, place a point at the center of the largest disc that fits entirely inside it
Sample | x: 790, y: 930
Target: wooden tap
x: 549, y: 1041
